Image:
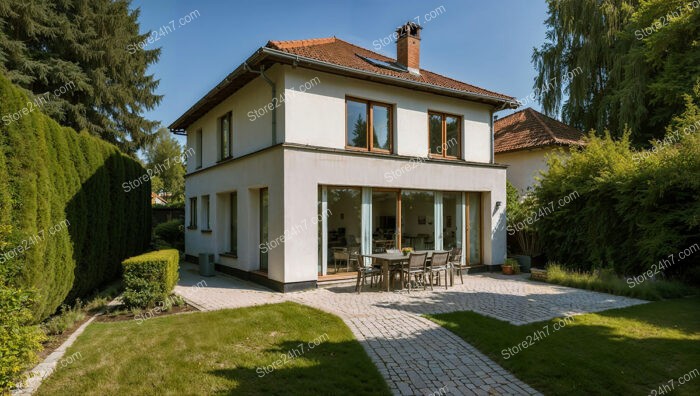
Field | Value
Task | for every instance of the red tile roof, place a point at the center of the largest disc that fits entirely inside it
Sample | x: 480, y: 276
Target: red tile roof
x: 527, y: 129
x: 336, y: 51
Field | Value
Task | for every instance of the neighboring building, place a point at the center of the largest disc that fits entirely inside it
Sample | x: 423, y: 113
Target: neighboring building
x: 285, y: 169
x: 524, y: 139
x: 158, y: 199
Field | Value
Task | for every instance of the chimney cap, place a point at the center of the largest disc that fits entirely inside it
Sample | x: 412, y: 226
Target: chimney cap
x: 410, y: 28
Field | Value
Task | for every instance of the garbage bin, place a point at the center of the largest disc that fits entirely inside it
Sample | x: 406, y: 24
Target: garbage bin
x: 206, y: 264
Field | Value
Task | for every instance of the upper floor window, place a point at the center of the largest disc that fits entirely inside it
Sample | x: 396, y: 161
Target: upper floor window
x: 198, y: 147
x: 368, y: 125
x: 444, y: 135
x: 225, y: 139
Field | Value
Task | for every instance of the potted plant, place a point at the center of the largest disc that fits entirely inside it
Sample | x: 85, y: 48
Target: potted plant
x: 510, y: 267
x: 519, y: 214
x: 406, y: 251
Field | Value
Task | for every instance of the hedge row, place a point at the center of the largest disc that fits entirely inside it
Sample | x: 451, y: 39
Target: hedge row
x: 634, y: 209
x: 150, y: 277
x: 72, y: 222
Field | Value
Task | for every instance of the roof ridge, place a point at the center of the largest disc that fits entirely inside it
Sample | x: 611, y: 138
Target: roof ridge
x: 544, y: 124
x: 296, y: 43
x: 318, y: 41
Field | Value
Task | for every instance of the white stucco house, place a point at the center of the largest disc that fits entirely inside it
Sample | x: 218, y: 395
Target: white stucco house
x: 313, y: 145
x: 524, y: 139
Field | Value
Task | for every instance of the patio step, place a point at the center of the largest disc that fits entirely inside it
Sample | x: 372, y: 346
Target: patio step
x: 476, y: 269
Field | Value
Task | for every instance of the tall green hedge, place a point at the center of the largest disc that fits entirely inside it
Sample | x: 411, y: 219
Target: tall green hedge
x: 634, y: 208
x: 55, y: 179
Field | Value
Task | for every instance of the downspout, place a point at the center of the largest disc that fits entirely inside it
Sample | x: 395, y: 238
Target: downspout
x: 492, y: 137
x: 261, y: 72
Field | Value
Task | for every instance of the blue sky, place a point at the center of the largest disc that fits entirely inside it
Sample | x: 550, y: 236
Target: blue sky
x: 485, y: 43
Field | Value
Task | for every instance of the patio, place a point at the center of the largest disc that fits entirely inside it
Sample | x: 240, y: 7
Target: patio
x: 415, y: 355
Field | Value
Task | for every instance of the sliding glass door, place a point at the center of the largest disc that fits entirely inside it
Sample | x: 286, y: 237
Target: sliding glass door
x: 417, y: 219
x: 384, y: 224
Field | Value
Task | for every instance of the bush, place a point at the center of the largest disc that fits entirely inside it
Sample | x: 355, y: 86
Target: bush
x: 170, y: 234
x: 633, y: 208
x: 74, y: 215
x: 150, y: 277
x: 19, y: 340
x: 607, y: 282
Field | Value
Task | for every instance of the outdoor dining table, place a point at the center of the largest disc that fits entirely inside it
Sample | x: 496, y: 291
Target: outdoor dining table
x: 392, y: 259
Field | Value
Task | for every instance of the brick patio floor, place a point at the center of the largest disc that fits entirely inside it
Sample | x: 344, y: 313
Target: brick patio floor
x: 415, y: 355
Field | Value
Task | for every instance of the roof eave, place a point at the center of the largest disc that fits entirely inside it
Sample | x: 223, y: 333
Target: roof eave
x: 185, y: 120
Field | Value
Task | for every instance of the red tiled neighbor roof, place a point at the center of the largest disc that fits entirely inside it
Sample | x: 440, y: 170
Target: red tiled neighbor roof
x: 336, y: 51
x: 527, y: 129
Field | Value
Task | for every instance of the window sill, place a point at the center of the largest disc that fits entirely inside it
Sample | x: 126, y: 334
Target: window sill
x: 225, y: 159
x: 229, y: 255
x: 206, y: 231
x: 191, y: 227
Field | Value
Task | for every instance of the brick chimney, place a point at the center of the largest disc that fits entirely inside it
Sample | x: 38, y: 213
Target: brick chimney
x: 408, y: 46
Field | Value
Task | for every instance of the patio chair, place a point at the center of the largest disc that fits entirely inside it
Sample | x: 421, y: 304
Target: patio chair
x: 416, y: 266
x: 439, y: 263
x: 366, y: 268
x: 456, y: 262
x: 341, y: 256
x: 354, y: 257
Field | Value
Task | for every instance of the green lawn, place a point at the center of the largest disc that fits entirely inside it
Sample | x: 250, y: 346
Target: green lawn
x: 222, y: 352
x: 618, y: 352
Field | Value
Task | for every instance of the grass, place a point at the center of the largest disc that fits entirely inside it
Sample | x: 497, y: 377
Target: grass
x: 617, y: 352
x: 220, y: 352
x: 608, y: 282
x: 69, y: 316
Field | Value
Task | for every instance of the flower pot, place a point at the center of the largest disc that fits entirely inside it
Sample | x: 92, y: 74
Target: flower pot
x: 524, y: 261
x: 507, y: 269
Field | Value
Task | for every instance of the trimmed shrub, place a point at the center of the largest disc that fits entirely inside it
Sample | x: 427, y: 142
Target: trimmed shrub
x: 74, y: 215
x: 171, y: 234
x: 150, y: 277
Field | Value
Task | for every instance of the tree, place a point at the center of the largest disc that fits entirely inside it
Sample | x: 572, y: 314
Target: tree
x: 637, y: 60
x: 73, y: 55
x: 166, y: 161
x: 360, y: 132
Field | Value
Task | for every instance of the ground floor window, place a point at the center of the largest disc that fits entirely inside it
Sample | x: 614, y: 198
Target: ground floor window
x: 373, y: 220
x: 264, y: 231
x: 233, y: 243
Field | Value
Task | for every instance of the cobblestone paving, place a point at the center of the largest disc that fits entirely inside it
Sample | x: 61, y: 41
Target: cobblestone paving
x: 415, y: 355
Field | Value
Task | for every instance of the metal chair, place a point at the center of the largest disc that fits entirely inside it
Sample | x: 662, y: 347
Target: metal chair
x: 417, y: 263
x: 366, y: 268
x: 439, y: 263
x: 456, y: 262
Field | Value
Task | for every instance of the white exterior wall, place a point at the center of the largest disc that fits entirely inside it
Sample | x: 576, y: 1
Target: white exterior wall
x: 525, y: 165
x: 246, y: 177
x: 317, y: 117
x: 306, y: 170
x: 250, y: 133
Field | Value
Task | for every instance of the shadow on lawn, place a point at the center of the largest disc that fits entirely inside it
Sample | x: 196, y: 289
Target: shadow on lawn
x: 300, y: 368
x: 593, y: 355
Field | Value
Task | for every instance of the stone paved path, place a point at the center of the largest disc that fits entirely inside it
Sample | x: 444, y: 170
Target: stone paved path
x: 415, y: 355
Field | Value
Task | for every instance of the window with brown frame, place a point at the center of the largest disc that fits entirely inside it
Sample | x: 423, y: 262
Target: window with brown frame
x: 369, y: 125
x: 444, y: 135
